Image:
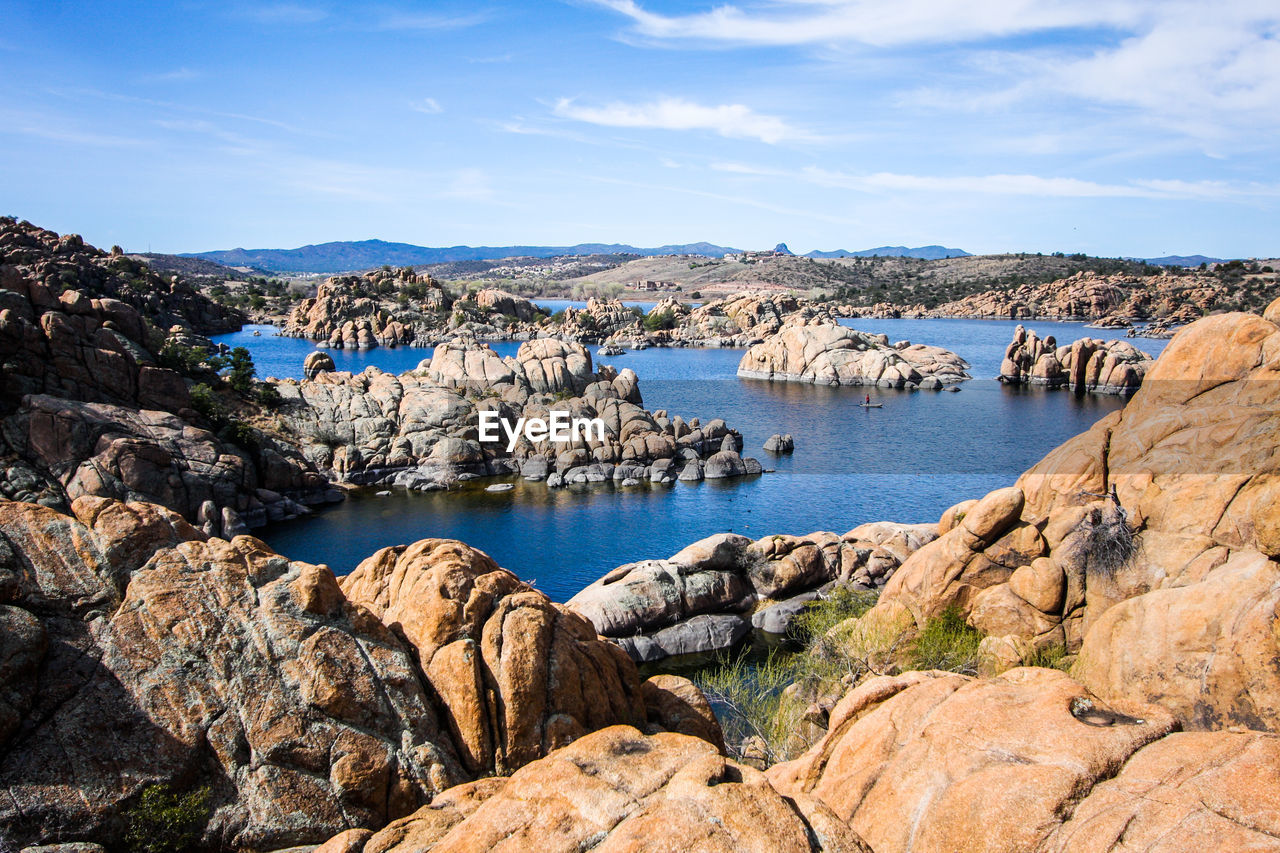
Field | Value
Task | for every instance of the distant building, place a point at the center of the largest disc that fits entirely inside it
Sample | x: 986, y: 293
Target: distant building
x: 649, y: 285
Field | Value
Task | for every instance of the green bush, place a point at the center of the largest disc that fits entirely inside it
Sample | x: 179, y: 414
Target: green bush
x: 748, y: 692
x: 241, y: 370
x: 206, y: 402
x: 947, y: 642
x: 268, y: 395
x: 163, y: 821
x: 186, y: 360
x: 660, y: 320
x: 820, y: 616
x: 240, y: 434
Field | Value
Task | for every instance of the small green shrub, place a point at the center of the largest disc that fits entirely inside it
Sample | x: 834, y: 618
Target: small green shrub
x: 164, y: 821
x: 1047, y: 656
x: 822, y: 615
x: 660, y: 321
x: 206, y: 402
x: 241, y: 370
x: 240, y: 434
x: 268, y: 396
x: 186, y: 360
x: 947, y: 642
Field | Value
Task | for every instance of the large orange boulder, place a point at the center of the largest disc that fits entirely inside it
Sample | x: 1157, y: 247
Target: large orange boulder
x: 941, y: 762
x: 518, y: 675
x: 618, y: 790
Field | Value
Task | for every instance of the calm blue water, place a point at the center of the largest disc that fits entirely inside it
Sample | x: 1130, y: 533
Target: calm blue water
x: 908, y: 461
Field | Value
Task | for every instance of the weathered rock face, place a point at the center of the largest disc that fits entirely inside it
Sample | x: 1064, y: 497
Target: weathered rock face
x: 1091, y: 296
x: 1168, y: 590
x: 518, y: 675
x: 421, y: 429
x: 619, y: 790
x: 135, y: 651
x: 1194, y: 791
x: 501, y: 302
x: 86, y: 407
x: 1106, y: 367
x: 699, y: 599
x: 49, y: 269
x: 173, y: 659
x: 113, y: 451
x: 380, y: 307
x: 912, y: 761
x: 826, y: 354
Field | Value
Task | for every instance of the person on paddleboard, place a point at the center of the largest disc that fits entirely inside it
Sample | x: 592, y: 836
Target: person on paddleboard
x: 868, y: 401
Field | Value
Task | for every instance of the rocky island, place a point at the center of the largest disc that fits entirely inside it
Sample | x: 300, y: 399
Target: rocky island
x: 826, y: 354
x: 1088, y: 364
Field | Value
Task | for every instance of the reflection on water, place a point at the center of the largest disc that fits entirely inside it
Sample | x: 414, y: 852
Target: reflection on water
x: 908, y: 461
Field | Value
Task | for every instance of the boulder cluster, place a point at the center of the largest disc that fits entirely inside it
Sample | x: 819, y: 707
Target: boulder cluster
x: 822, y: 353
x: 709, y: 596
x: 88, y: 408
x: 140, y: 652
x: 421, y: 429
x: 1088, y: 364
x: 362, y: 312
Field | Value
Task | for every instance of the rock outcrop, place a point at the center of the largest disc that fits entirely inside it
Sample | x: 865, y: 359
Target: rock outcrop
x: 707, y: 597
x: 1088, y: 364
x: 1089, y: 296
x: 911, y: 761
x: 826, y: 354
x: 1146, y: 545
x: 87, y: 406
x: 622, y: 791
x: 421, y: 429
x: 137, y: 651
x: 382, y: 307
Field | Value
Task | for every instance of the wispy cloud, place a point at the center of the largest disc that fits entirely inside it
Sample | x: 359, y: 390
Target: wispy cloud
x: 1204, y: 71
x: 398, y: 20
x: 1011, y: 184
x: 730, y: 120
x: 469, y: 185
x: 283, y: 13
x: 177, y: 75
x: 430, y: 106
x: 871, y: 22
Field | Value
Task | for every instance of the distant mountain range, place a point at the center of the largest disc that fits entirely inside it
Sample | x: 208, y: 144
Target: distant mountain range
x: 365, y: 254
x: 346, y: 256
x: 928, y: 253
x: 1180, y: 260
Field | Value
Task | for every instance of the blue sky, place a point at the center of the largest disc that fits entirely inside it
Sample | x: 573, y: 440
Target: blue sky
x: 1119, y: 127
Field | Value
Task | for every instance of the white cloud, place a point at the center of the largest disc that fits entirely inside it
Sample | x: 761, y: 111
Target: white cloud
x: 1207, y: 71
x: 430, y: 106
x: 469, y: 185
x: 735, y: 121
x: 1011, y: 185
x: 874, y: 22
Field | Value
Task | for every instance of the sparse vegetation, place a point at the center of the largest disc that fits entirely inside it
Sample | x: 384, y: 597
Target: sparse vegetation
x: 164, y: 821
x: 946, y: 642
x: 660, y: 321
x: 748, y: 692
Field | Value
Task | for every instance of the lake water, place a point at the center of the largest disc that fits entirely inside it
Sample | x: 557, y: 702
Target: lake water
x: 908, y: 461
